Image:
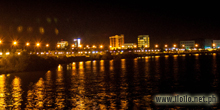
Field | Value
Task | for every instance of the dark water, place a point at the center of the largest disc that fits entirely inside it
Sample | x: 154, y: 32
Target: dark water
x: 115, y: 84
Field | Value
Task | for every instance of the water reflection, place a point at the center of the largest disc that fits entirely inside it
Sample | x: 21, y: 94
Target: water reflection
x: 16, y: 93
x: 2, y: 92
x: 112, y: 84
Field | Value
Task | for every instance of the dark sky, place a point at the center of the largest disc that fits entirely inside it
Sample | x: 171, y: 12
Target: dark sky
x: 94, y: 22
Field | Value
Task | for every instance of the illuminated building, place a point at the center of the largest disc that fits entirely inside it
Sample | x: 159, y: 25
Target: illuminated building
x: 129, y: 45
x: 116, y: 41
x: 77, y: 42
x: 216, y: 43
x: 62, y: 44
x: 187, y: 44
x: 143, y: 41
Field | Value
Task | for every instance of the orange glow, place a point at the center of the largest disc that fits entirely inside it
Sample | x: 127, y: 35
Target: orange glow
x: 37, y: 44
x: 135, y: 46
x: 15, y: 43
x: 27, y: 44
x: 165, y: 45
x: 58, y: 46
x: 93, y: 46
x: 100, y: 46
x: 183, y: 45
x: 0, y: 41
x: 47, y: 45
x: 156, y: 45
x: 146, y: 46
x: 174, y: 45
x: 213, y: 44
x: 196, y: 45
x: 73, y: 45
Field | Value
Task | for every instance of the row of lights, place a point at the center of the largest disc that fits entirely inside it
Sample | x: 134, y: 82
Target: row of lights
x: 27, y: 44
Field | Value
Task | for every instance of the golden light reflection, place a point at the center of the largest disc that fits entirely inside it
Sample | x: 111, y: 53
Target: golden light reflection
x: 73, y: 65
x: 39, y: 91
x: 49, y: 91
x: 102, y: 67
x: 59, y: 68
x: 111, y: 65
x: 16, y: 93
x: 60, y: 91
x: 81, y: 65
x: 94, y: 66
x: 2, y: 91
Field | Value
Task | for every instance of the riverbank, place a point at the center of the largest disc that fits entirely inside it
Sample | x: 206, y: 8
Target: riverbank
x: 26, y: 62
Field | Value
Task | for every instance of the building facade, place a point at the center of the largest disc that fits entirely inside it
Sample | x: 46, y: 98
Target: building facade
x: 187, y: 44
x: 62, y: 44
x: 77, y: 42
x: 129, y: 45
x: 143, y: 41
x: 216, y: 44
x: 116, y: 41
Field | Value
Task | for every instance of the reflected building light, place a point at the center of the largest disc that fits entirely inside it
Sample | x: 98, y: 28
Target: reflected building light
x: 16, y: 93
x: 2, y: 91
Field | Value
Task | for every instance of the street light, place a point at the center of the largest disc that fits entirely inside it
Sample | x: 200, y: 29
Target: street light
x: 37, y: 44
x: 15, y: 43
x: 47, y: 45
x: 156, y: 45
x: 146, y: 46
x: 93, y: 46
x: 174, y: 45
x: 213, y: 44
x: 135, y: 46
x: 165, y: 45
x: 196, y: 45
x: 183, y: 45
x: 101, y: 46
x: 27, y: 44
x: 0, y: 41
x: 58, y: 46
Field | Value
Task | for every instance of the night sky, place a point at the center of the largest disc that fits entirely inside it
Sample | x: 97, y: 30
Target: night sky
x: 94, y: 22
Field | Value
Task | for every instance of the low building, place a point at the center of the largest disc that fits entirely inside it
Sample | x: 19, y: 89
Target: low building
x: 129, y: 46
x: 62, y: 44
x: 187, y: 44
x: 216, y: 44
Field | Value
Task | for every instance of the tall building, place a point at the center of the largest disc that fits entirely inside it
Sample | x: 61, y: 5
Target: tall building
x: 116, y: 41
x: 143, y: 41
x: 77, y: 42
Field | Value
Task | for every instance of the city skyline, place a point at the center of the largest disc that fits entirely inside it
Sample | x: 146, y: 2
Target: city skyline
x: 96, y: 21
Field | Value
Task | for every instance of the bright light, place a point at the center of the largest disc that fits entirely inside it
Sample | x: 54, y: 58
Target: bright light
x: 110, y: 46
x: 47, y: 45
x: 0, y: 41
x: 27, y: 44
x: 87, y: 46
x: 0, y: 53
x: 146, y: 46
x: 101, y: 46
x: 196, y: 45
x: 156, y: 45
x: 14, y: 43
x: 73, y: 45
x: 135, y: 46
x: 19, y: 53
x: 37, y: 44
x: 58, y: 46
x: 183, y: 45
x: 165, y: 45
x: 174, y: 45
x: 80, y: 46
x: 93, y: 46
x: 122, y: 46
x: 213, y: 44
x: 7, y: 53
